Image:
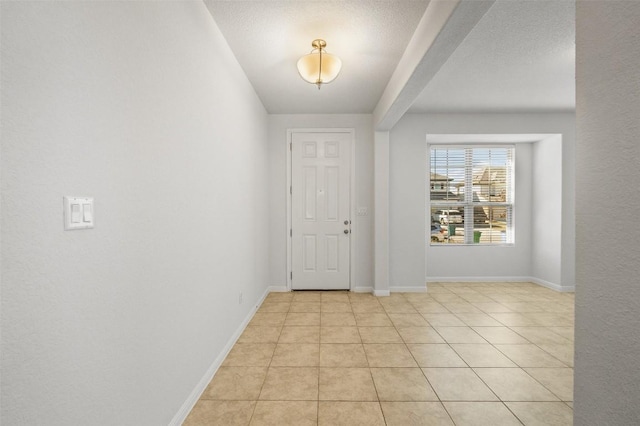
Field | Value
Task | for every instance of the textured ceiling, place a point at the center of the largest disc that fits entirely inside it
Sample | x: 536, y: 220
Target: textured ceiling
x: 268, y: 38
x: 519, y: 57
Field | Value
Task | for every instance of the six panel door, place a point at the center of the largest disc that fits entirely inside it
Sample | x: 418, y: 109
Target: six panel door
x: 320, y: 204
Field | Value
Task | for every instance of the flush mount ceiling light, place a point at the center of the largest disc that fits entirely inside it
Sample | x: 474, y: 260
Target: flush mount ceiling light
x: 319, y: 67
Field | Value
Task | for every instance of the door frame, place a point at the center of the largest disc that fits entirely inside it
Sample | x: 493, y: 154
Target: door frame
x: 352, y: 199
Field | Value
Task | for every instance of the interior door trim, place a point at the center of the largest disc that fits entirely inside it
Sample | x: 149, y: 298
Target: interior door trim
x: 352, y: 199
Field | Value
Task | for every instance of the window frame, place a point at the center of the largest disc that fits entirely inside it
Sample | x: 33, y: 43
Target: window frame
x: 467, y: 205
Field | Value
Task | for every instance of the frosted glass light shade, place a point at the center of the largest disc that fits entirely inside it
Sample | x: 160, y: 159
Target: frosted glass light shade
x: 319, y: 67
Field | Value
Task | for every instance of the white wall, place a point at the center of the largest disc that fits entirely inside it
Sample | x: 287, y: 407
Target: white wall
x: 363, y: 225
x: 410, y: 257
x: 142, y: 106
x: 486, y: 262
x: 381, y: 217
x: 607, y: 368
x: 546, y: 216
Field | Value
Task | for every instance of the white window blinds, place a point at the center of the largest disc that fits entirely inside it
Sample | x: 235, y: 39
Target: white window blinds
x: 471, y: 194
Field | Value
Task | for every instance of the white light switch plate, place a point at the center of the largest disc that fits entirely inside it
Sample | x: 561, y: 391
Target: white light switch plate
x: 78, y: 213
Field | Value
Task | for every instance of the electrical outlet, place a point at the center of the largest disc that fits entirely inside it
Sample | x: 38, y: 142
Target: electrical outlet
x: 240, y: 299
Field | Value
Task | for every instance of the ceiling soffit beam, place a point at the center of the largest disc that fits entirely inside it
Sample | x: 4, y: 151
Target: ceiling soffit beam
x: 445, y: 24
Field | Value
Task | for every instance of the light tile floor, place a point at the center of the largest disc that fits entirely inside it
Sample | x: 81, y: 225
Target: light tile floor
x: 460, y: 354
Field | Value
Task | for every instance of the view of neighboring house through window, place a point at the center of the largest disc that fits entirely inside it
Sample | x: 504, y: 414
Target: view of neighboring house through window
x: 471, y: 194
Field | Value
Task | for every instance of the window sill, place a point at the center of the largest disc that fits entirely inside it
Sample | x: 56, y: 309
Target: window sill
x: 472, y: 245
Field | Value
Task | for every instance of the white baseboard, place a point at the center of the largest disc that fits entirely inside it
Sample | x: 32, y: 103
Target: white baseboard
x: 188, y: 405
x: 362, y: 289
x: 477, y: 279
x: 409, y: 289
x: 541, y: 282
x: 381, y: 292
x: 277, y: 289
x: 553, y: 286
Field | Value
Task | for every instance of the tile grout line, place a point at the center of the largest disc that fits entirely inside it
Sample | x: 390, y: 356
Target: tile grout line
x: 269, y: 365
x: 375, y: 388
x: 468, y: 366
x: 422, y: 368
x: 319, y: 362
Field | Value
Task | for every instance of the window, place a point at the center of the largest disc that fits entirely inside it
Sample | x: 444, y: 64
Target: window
x: 471, y: 194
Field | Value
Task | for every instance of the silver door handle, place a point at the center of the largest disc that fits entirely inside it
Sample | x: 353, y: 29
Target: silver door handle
x: 346, y: 231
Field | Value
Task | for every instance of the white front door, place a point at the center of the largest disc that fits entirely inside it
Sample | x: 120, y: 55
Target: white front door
x: 320, y: 216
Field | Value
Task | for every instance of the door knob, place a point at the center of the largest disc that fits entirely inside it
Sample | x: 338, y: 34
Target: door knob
x: 346, y: 222
x: 346, y: 231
